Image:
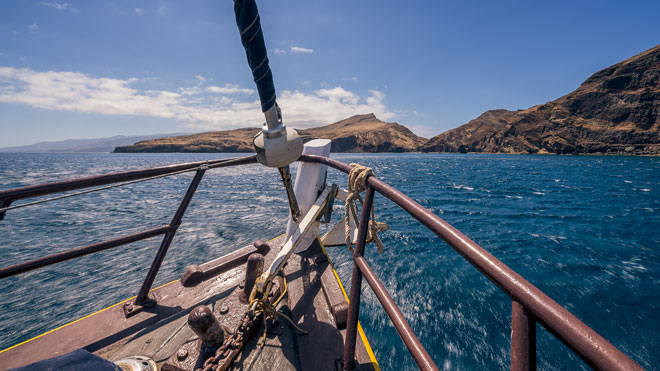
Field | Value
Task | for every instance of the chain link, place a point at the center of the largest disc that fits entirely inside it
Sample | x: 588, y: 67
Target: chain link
x: 232, y: 345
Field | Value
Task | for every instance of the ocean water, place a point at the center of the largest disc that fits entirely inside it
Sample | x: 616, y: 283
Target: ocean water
x: 583, y: 229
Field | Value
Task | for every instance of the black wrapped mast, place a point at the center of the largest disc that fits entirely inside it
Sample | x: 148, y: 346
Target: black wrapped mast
x: 276, y: 145
x: 249, y: 25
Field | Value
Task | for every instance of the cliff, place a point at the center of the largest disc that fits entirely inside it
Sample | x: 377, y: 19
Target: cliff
x: 360, y: 133
x: 616, y: 110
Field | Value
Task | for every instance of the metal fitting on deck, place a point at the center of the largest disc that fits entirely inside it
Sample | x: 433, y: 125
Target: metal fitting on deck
x: 205, y: 325
x: 255, y: 266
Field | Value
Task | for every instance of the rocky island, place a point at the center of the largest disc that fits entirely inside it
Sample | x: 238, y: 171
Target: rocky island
x: 360, y: 133
x: 615, y: 111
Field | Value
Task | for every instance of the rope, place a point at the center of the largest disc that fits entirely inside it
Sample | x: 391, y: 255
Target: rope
x: 2, y: 210
x: 270, y: 311
x: 357, y: 182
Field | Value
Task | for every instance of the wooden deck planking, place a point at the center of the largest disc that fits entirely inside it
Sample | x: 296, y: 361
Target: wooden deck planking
x: 159, y: 332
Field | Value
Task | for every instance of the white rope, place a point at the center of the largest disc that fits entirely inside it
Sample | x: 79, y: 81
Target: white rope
x: 357, y: 182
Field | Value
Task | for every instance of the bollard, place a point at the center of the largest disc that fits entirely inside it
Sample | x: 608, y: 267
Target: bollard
x: 255, y: 266
x: 202, y: 321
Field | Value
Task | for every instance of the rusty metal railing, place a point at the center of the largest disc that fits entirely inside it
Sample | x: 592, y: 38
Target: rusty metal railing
x: 529, y: 304
x: 142, y: 300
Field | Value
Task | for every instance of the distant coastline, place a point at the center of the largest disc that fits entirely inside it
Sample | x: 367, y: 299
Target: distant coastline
x: 616, y: 111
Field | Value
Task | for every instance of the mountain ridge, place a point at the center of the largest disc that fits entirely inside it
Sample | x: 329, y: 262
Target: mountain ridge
x: 614, y: 111
x: 106, y: 144
x: 358, y: 133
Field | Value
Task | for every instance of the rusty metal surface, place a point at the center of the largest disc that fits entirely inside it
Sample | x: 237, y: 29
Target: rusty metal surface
x: 584, y: 341
x: 212, y: 328
x: 206, y: 326
x: 195, y: 274
x: 323, y: 348
x: 523, y: 339
x: 356, y: 282
x: 81, y: 251
x: 253, y: 269
x: 420, y: 355
x: 167, y: 239
x: 332, y: 291
x: 98, y: 180
x: 131, y: 308
x: 109, y: 334
x: 224, y: 332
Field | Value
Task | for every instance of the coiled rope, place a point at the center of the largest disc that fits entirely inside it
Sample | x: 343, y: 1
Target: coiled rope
x: 357, y: 182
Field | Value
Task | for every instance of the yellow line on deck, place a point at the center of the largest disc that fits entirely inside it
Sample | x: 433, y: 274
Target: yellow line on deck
x: 365, y: 341
x: 99, y: 311
x: 80, y: 319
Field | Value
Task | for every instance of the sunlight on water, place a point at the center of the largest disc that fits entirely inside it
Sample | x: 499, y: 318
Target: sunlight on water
x: 583, y: 229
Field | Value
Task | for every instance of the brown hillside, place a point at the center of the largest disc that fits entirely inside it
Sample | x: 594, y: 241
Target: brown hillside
x: 239, y: 140
x: 616, y: 110
x: 366, y: 133
x: 360, y: 133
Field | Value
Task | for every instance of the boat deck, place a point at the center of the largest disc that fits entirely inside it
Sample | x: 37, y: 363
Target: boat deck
x: 159, y: 332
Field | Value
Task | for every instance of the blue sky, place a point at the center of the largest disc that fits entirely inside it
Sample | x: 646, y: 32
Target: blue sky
x: 88, y: 69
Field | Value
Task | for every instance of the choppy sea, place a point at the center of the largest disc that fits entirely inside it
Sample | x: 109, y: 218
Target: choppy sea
x: 584, y: 229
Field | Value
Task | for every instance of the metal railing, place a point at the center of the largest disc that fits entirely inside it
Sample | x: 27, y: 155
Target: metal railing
x: 529, y: 304
x: 142, y: 300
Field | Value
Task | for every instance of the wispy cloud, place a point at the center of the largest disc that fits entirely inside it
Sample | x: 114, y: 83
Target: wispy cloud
x: 59, y: 6
x: 279, y: 51
x: 33, y: 27
x: 192, y: 105
x: 300, y: 49
x: 139, y: 10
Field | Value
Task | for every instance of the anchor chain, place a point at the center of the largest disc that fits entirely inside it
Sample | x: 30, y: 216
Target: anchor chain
x: 232, y: 345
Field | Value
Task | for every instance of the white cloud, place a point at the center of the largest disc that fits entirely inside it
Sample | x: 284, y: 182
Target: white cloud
x: 58, y: 6
x: 279, y: 51
x: 78, y: 92
x: 200, y: 78
x: 139, y: 10
x: 325, y: 106
x: 354, y: 78
x: 229, y: 89
x: 33, y: 27
x: 300, y: 49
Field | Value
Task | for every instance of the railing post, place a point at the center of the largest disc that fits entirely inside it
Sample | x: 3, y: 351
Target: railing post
x: 356, y: 281
x: 523, y: 338
x: 142, y: 296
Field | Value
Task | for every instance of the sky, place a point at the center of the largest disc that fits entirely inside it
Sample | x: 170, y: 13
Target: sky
x: 90, y: 69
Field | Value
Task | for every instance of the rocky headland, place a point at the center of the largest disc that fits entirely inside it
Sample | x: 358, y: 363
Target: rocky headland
x: 615, y: 111
x: 360, y: 133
